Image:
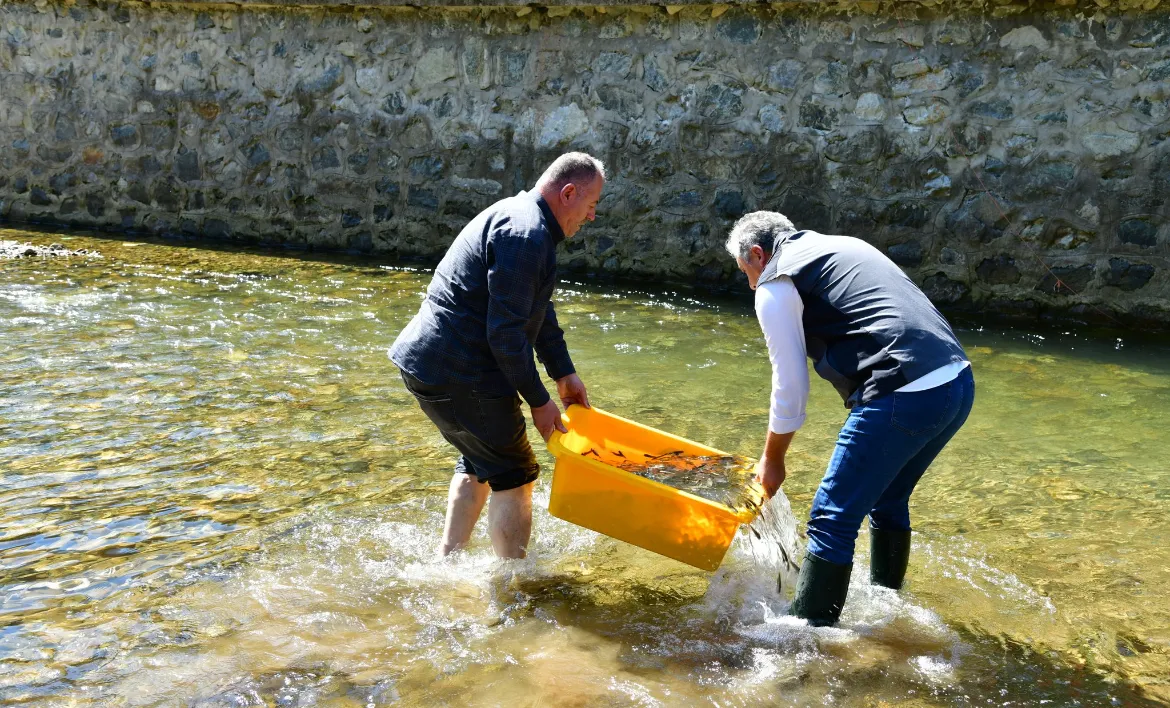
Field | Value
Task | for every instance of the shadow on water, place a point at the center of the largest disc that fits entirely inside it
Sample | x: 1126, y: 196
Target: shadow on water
x: 1091, y: 324
x: 992, y: 667
x: 1006, y: 666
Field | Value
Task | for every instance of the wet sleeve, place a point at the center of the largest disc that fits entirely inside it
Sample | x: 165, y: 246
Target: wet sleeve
x: 514, y: 265
x: 780, y: 312
x: 551, y: 347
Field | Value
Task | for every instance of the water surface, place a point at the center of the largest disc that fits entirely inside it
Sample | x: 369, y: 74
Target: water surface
x: 214, y: 491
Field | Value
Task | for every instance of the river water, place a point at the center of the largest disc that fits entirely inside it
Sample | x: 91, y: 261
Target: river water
x: 214, y: 491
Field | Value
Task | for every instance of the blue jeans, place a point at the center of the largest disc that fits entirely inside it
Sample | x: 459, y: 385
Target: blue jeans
x: 882, y: 451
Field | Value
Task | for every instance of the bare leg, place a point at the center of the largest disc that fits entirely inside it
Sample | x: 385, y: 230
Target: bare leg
x: 465, y: 500
x: 510, y: 521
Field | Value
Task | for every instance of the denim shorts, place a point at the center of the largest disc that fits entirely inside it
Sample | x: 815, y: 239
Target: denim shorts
x: 489, y: 431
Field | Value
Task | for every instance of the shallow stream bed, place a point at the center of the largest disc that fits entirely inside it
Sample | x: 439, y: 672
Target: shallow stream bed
x: 214, y: 491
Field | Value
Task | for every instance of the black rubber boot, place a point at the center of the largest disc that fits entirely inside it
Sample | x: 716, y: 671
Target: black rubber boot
x: 889, y: 552
x: 820, y: 591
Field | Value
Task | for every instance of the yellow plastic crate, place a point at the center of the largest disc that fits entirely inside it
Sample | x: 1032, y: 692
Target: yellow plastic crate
x: 590, y: 491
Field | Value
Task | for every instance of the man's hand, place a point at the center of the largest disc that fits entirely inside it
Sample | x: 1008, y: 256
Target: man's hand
x: 770, y: 470
x: 572, y: 390
x: 770, y: 474
x: 547, y: 418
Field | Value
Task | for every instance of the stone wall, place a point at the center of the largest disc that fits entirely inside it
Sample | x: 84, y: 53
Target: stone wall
x: 1010, y: 158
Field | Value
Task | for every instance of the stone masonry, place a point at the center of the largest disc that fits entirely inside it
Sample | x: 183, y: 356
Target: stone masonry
x: 1010, y: 158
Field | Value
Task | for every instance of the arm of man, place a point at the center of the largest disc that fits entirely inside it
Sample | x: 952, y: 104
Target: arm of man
x: 554, y: 354
x: 514, y: 264
x: 780, y: 310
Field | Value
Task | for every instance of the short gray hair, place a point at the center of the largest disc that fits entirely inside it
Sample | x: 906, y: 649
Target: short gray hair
x: 577, y: 167
x: 759, y: 228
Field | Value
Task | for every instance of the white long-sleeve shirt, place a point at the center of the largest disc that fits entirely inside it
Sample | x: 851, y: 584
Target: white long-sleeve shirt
x: 780, y: 312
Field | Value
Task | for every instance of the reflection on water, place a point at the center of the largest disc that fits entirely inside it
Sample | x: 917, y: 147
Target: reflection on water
x: 215, y: 492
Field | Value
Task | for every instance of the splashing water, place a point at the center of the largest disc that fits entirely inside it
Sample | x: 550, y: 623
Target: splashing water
x: 772, y: 537
x: 774, y: 541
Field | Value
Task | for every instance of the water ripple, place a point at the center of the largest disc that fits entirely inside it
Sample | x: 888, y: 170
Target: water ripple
x: 214, y: 491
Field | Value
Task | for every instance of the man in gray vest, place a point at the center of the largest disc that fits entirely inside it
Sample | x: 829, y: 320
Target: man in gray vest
x: 896, y: 364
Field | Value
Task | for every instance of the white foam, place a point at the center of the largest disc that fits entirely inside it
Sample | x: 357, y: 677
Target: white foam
x: 964, y: 561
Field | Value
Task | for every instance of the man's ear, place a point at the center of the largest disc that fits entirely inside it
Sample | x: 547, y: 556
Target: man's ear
x: 568, y: 192
x: 758, y: 252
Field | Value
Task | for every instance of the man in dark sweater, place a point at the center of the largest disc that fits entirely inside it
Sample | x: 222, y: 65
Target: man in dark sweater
x: 896, y: 364
x: 467, y: 356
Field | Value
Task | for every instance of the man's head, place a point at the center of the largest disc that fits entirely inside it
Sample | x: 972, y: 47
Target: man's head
x: 753, y: 239
x: 572, y: 187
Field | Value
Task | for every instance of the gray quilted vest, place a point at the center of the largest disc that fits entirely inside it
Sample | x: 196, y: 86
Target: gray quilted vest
x: 868, y: 328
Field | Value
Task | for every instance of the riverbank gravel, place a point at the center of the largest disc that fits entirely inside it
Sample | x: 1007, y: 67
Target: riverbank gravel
x: 16, y: 249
